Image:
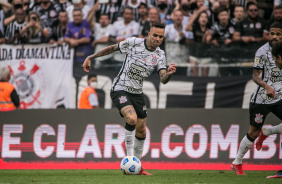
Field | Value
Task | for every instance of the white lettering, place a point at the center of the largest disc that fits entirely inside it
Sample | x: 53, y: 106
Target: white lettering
x: 8, y: 140
x: 37, y: 139
x: 61, y: 139
x: 113, y: 142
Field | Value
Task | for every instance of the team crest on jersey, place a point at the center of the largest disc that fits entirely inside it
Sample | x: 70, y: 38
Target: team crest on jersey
x: 122, y: 99
x: 259, y: 118
x: 154, y: 60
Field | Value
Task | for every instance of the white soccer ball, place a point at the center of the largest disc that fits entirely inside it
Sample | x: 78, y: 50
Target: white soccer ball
x: 130, y: 165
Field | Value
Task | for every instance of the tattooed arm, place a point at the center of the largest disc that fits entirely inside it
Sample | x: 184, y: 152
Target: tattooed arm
x: 258, y: 80
x: 103, y: 52
x: 165, y: 75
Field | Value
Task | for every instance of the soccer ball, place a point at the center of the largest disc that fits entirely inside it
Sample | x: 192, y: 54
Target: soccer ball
x: 130, y: 165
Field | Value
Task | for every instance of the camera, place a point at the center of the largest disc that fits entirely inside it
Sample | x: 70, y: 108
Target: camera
x: 33, y: 18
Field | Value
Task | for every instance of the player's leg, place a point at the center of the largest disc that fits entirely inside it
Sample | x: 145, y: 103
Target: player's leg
x: 130, y: 116
x: 269, y: 131
x: 140, y: 136
x: 122, y: 101
x: 257, y: 118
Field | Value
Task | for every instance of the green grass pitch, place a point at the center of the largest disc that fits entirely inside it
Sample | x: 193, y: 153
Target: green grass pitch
x: 116, y: 176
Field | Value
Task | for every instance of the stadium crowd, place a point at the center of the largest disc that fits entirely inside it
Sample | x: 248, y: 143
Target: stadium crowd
x: 198, y: 32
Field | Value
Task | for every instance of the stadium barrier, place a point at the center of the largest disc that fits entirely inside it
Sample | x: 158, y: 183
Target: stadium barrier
x: 94, y: 139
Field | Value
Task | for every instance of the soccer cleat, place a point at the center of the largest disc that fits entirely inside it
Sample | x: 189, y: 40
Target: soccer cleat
x: 277, y: 175
x: 143, y: 172
x: 238, y: 169
x: 260, y: 140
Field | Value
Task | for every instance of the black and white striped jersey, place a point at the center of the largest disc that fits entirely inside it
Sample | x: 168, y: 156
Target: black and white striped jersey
x: 270, y: 74
x: 138, y: 65
x: 13, y: 30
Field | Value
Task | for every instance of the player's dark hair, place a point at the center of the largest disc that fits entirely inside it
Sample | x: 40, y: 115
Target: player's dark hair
x: 158, y: 25
x: 90, y: 76
x: 127, y: 8
x: 277, y: 49
x: 276, y: 25
x: 62, y: 11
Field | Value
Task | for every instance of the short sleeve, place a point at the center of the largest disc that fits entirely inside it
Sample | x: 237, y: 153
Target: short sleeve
x: 259, y: 60
x: 93, y: 100
x: 125, y: 45
x: 161, y: 63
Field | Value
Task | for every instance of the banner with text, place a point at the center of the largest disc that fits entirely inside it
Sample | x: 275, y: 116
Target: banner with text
x: 41, y: 74
x: 94, y: 139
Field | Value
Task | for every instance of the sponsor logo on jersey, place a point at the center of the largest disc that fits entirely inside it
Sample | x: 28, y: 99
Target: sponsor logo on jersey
x: 259, y: 118
x: 276, y: 75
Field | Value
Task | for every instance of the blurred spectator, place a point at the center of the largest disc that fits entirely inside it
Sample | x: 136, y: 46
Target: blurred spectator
x: 26, y: 6
x: 10, y: 14
x: 133, y: 4
x: 184, y: 7
x: 199, y: 25
x: 125, y: 28
x: 91, y: 18
x: 78, y: 35
x: 265, y: 8
x: 13, y: 30
x: 33, y: 31
x: 239, y: 14
x: 78, y: 4
x: 48, y: 13
x: 176, y: 38
x: 143, y: 15
x: 122, y: 30
x: 59, y: 28
x: 111, y: 8
x: 229, y: 5
x: 153, y: 17
x: 4, y: 7
x: 277, y: 17
x: 250, y: 29
x: 35, y: 6
x: 221, y: 32
x: 165, y: 12
x: 89, y: 98
x: 102, y: 30
x: 9, y: 98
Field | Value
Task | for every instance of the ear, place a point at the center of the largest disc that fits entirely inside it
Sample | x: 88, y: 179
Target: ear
x: 149, y: 34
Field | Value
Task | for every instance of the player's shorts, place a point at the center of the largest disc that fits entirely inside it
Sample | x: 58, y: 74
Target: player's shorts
x: 123, y: 98
x: 201, y: 61
x: 259, y: 112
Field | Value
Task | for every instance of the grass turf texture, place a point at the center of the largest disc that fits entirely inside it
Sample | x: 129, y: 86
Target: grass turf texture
x: 116, y: 176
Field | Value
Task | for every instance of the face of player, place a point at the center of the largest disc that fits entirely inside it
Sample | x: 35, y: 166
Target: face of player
x: 253, y: 11
x: 223, y: 17
x: 77, y: 17
x: 104, y: 20
x: 156, y: 37
x: 203, y: 19
x: 275, y: 35
x: 239, y: 13
x: 277, y: 15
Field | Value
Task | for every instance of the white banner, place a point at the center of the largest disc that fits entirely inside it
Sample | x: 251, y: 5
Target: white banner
x: 41, y: 74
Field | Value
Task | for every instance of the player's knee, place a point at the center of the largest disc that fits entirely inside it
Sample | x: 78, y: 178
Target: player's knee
x: 132, y: 120
x: 254, y: 132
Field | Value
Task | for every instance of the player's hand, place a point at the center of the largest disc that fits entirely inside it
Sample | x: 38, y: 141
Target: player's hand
x: 270, y: 91
x: 171, y: 69
x: 87, y: 64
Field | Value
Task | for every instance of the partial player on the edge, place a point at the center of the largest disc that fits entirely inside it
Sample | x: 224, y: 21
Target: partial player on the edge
x: 142, y: 57
x: 267, y: 74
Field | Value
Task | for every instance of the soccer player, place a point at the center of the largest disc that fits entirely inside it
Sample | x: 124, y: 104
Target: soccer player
x: 267, y: 97
x: 142, y: 57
